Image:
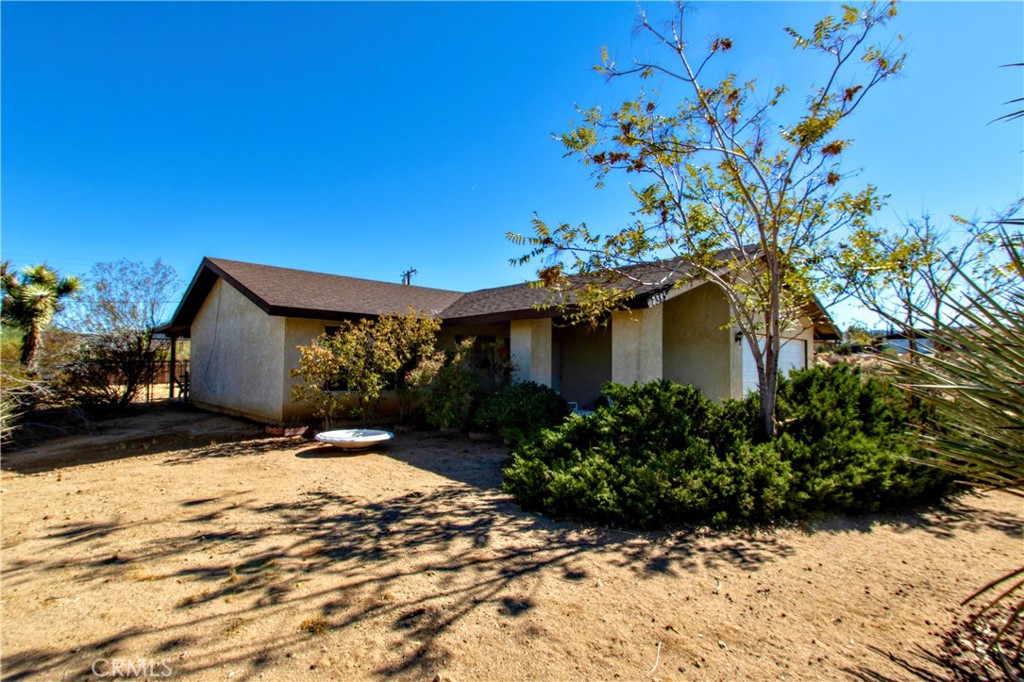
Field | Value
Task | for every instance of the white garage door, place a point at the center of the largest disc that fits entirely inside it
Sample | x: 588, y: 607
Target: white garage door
x: 792, y: 355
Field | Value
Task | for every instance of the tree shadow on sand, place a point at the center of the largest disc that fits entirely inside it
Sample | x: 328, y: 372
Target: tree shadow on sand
x: 342, y: 561
x: 413, y: 566
x: 944, y: 520
x: 965, y: 653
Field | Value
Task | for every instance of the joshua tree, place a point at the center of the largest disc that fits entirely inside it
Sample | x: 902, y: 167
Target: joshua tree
x: 31, y: 300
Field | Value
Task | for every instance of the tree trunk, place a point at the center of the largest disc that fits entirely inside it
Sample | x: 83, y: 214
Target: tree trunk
x: 768, y: 399
x: 772, y: 345
x: 768, y: 389
x: 28, y: 347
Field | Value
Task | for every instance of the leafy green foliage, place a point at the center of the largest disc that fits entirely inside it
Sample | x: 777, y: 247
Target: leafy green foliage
x: 518, y: 412
x: 662, y: 453
x: 320, y: 372
x: 454, y: 390
x: 843, y: 434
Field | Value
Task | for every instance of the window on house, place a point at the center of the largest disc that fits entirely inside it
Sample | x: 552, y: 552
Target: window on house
x: 490, y: 358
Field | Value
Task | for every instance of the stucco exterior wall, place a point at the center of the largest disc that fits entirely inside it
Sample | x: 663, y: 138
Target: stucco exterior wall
x: 531, y: 350
x: 242, y: 358
x: 297, y: 332
x: 586, y: 362
x: 697, y: 349
x: 637, y: 345
x: 237, y: 360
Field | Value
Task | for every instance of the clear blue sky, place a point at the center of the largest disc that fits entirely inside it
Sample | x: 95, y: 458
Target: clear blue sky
x: 363, y: 139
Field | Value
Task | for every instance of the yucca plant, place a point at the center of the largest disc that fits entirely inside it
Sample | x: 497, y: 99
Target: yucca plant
x: 973, y: 380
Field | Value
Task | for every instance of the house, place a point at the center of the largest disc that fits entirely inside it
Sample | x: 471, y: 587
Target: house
x: 900, y: 341
x: 245, y: 322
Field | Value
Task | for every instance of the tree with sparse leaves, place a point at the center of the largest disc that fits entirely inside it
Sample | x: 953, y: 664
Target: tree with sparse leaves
x: 920, y: 266
x: 122, y: 296
x: 116, y: 315
x: 729, y: 193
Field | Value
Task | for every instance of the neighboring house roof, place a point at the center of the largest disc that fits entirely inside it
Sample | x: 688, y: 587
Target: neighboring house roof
x: 304, y: 294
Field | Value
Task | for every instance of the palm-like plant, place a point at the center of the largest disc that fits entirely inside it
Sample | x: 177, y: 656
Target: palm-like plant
x: 974, y: 381
x: 31, y: 300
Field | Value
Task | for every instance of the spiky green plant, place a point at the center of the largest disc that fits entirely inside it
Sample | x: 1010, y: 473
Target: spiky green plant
x: 31, y: 300
x: 974, y: 382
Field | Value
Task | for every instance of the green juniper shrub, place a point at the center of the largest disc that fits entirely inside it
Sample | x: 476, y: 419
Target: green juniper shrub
x: 518, y: 412
x: 662, y: 453
x: 646, y: 458
x: 454, y: 391
x: 844, y: 434
x: 736, y: 422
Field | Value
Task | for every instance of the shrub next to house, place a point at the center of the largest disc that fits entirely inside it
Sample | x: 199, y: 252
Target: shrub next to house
x: 661, y: 453
x: 519, y: 411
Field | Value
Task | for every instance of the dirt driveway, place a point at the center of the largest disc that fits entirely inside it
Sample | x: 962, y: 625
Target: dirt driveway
x: 271, y: 558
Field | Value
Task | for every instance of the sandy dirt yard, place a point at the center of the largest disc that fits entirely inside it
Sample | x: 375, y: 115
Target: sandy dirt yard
x: 188, y: 546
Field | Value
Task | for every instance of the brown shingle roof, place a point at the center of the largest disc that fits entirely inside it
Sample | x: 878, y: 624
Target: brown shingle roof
x: 522, y: 300
x: 496, y: 301
x: 312, y: 292
x: 300, y: 293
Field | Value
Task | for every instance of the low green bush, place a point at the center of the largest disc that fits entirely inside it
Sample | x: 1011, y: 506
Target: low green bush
x: 662, y: 453
x: 844, y: 434
x: 518, y: 412
x: 452, y: 394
